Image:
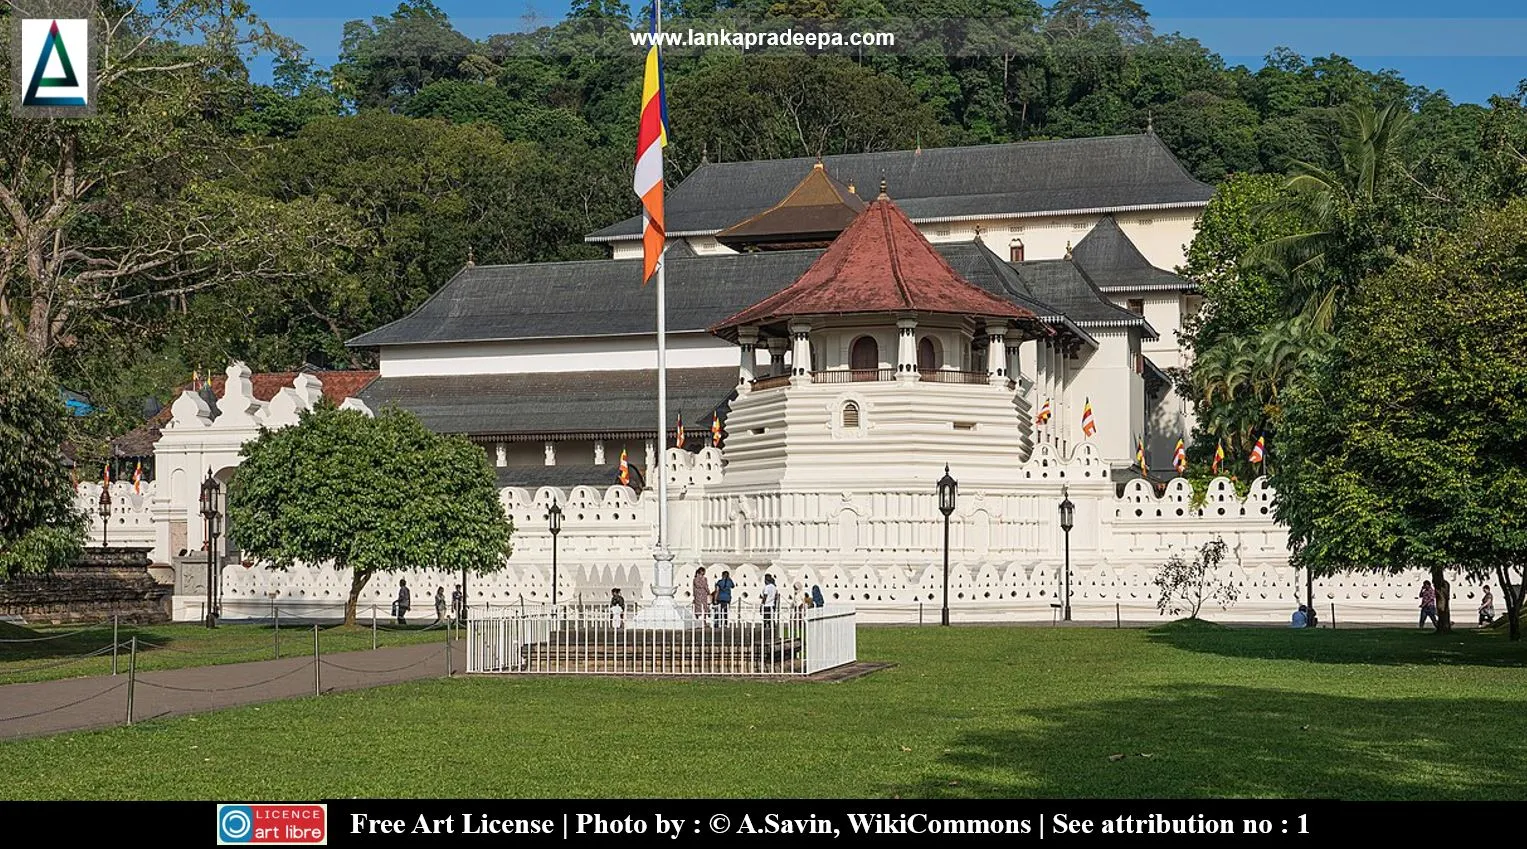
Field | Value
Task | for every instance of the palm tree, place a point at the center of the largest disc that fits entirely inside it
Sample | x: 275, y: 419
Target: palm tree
x: 1326, y: 202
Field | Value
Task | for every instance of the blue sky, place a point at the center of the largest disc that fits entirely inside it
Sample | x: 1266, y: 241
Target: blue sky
x: 1469, y: 48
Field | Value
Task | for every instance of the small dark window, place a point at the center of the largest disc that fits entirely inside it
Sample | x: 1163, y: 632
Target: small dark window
x: 850, y: 416
x: 864, y: 358
x: 1137, y: 306
x: 1016, y: 251
x: 927, y: 355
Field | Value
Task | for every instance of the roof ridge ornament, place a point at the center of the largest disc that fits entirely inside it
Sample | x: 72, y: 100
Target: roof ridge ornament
x: 1068, y: 249
x: 883, y: 195
x: 471, y: 257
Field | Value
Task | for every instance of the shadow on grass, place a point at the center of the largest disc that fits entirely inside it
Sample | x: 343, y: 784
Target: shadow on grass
x: 19, y: 643
x: 1372, y: 647
x: 1225, y: 741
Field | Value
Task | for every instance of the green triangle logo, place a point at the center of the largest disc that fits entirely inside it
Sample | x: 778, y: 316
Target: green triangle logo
x: 54, y: 43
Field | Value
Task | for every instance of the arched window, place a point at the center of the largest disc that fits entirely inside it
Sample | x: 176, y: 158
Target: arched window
x: 927, y: 355
x: 978, y: 355
x: 864, y: 358
x: 1015, y: 251
x: 850, y: 415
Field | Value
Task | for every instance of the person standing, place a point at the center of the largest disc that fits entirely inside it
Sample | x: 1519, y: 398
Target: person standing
x: 1487, y: 608
x: 1429, y: 605
x: 404, y: 601
x: 770, y: 601
x: 617, y: 609
x: 724, y: 596
x: 817, y: 599
x: 701, y: 591
x: 459, y: 603
x: 439, y: 605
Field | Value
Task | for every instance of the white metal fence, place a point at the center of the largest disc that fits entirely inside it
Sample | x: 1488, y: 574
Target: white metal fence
x: 570, y: 641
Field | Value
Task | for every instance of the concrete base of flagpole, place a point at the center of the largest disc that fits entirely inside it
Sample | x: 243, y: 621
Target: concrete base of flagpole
x: 664, y: 613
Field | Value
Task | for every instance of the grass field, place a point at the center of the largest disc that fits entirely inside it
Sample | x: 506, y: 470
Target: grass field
x: 1179, y: 711
x: 74, y: 651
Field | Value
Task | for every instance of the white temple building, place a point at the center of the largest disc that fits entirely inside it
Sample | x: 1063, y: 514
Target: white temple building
x: 851, y: 344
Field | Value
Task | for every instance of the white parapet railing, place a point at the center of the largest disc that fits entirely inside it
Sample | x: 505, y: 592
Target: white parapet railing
x: 574, y: 641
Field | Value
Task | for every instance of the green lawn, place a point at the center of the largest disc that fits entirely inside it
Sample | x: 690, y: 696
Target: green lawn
x: 993, y: 712
x: 74, y: 651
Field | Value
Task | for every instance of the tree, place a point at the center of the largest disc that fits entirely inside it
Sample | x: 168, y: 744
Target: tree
x: 383, y: 63
x: 39, y: 526
x: 110, y: 218
x: 1407, y: 449
x: 370, y: 495
x: 1183, y: 587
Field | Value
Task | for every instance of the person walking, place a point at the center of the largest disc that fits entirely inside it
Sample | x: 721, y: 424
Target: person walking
x: 817, y: 599
x: 701, y: 591
x: 403, y: 602
x: 1487, y: 608
x: 439, y: 605
x: 1429, y: 605
x: 724, y: 596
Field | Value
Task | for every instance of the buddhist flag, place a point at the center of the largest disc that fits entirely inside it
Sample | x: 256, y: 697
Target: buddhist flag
x: 678, y: 433
x: 1089, y: 424
x: 106, y: 475
x: 1180, y: 458
x: 651, y: 138
x: 715, y: 429
x: 195, y: 380
x: 1044, y: 414
x: 1219, y: 457
x: 138, y: 478
x: 1140, y: 456
x: 1259, y: 451
x: 625, y: 469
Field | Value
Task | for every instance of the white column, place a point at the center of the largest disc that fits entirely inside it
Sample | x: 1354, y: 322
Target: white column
x: 996, y: 352
x: 800, y: 352
x: 551, y: 453
x: 747, y: 340
x: 502, y: 451
x: 906, y: 349
x: 599, y: 452
x: 777, y: 348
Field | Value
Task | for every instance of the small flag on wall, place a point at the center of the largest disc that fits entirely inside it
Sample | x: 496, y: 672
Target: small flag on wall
x: 678, y: 433
x: 1259, y: 451
x: 1089, y: 424
x: 1180, y: 458
x: 138, y: 478
x: 1140, y: 457
x: 1219, y: 458
x: 625, y: 469
x: 1044, y: 414
x: 715, y: 429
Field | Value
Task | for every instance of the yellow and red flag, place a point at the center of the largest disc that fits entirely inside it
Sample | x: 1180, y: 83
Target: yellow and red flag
x: 625, y: 469
x: 1089, y: 424
x: 138, y: 478
x: 106, y: 475
x: 1140, y: 456
x: 1219, y: 458
x: 678, y: 433
x: 1259, y: 451
x: 1180, y: 458
x: 715, y: 429
x: 651, y: 138
x: 1044, y: 414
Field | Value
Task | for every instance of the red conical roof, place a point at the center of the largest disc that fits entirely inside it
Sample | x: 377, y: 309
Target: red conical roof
x: 881, y: 263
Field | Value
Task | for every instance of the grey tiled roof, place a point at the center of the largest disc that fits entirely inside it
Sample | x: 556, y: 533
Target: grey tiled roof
x: 567, y: 405
x: 563, y: 476
x: 1116, y: 265
x: 1066, y: 287
x: 602, y: 298
x: 945, y: 184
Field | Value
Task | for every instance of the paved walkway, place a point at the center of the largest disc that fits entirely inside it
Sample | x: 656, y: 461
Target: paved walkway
x: 75, y: 704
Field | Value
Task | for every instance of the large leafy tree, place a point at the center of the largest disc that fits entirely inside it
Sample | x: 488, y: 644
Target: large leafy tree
x: 39, y: 527
x: 1408, y: 446
x: 368, y: 495
x: 112, y: 219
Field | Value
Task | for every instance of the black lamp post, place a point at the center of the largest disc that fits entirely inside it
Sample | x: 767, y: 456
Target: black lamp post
x: 210, y: 514
x: 1067, y: 522
x: 554, y: 518
x: 103, y: 509
x: 947, y: 488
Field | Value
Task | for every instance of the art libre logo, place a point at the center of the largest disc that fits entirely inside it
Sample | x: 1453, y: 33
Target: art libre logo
x: 55, y: 62
x: 272, y: 825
